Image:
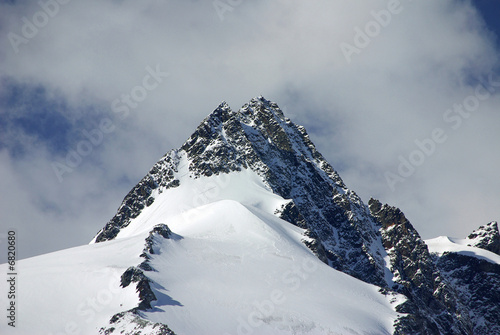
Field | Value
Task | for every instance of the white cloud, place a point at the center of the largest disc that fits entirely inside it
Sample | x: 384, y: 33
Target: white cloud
x: 362, y: 115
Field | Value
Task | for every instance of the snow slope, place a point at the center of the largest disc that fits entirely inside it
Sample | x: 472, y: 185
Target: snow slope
x: 442, y: 244
x: 254, y: 275
x: 73, y: 290
x: 230, y: 267
x: 187, y: 200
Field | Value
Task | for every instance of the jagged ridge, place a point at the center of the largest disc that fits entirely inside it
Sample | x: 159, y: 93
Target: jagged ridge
x: 432, y: 307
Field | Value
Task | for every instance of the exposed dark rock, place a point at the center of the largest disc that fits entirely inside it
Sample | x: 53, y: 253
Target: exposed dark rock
x: 161, y: 230
x: 316, y: 246
x: 131, y: 275
x: 486, y: 237
x: 130, y: 323
x: 290, y: 213
x: 146, y: 294
x: 476, y: 280
x: 161, y: 176
x: 432, y: 307
x: 477, y: 283
x: 136, y: 274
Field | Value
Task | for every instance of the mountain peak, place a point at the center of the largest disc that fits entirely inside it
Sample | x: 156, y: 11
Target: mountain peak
x: 259, y: 138
x: 223, y: 107
x: 263, y: 108
x: 220, y: 114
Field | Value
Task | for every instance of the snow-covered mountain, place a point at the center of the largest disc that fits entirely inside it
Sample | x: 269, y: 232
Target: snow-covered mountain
x: 247, y: 229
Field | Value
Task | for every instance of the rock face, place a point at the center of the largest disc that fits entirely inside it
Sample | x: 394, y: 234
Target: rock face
x: 486, y: 237
x: 374, y: 243
x: 161, y: 175
x: 477, y: 283
x: 431, y: 306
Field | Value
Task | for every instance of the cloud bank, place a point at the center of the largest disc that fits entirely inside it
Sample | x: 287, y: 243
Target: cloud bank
x: 374, y: 83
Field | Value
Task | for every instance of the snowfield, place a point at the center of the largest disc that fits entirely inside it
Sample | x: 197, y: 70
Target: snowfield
x: 442, y: 244
x: 254, y: 276
x: 74, y: 290
x: 230, y: 267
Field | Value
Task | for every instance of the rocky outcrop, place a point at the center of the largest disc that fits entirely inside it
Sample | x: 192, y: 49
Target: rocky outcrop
x: 431, y: 308
x: 160, y: 178
x: 477, y: 283
x: 486, y: 237
x: 130, y: 322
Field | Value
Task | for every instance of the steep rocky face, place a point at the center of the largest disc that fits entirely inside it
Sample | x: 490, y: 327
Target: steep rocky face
x: 477, y: 283
x: 160, y: 176
x: 289, y: 162
x: 486, y: 237
x: 433, y: 308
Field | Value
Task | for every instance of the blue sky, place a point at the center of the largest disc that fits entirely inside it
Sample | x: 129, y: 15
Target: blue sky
x: 489, y: 11
x: 81, y: 72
